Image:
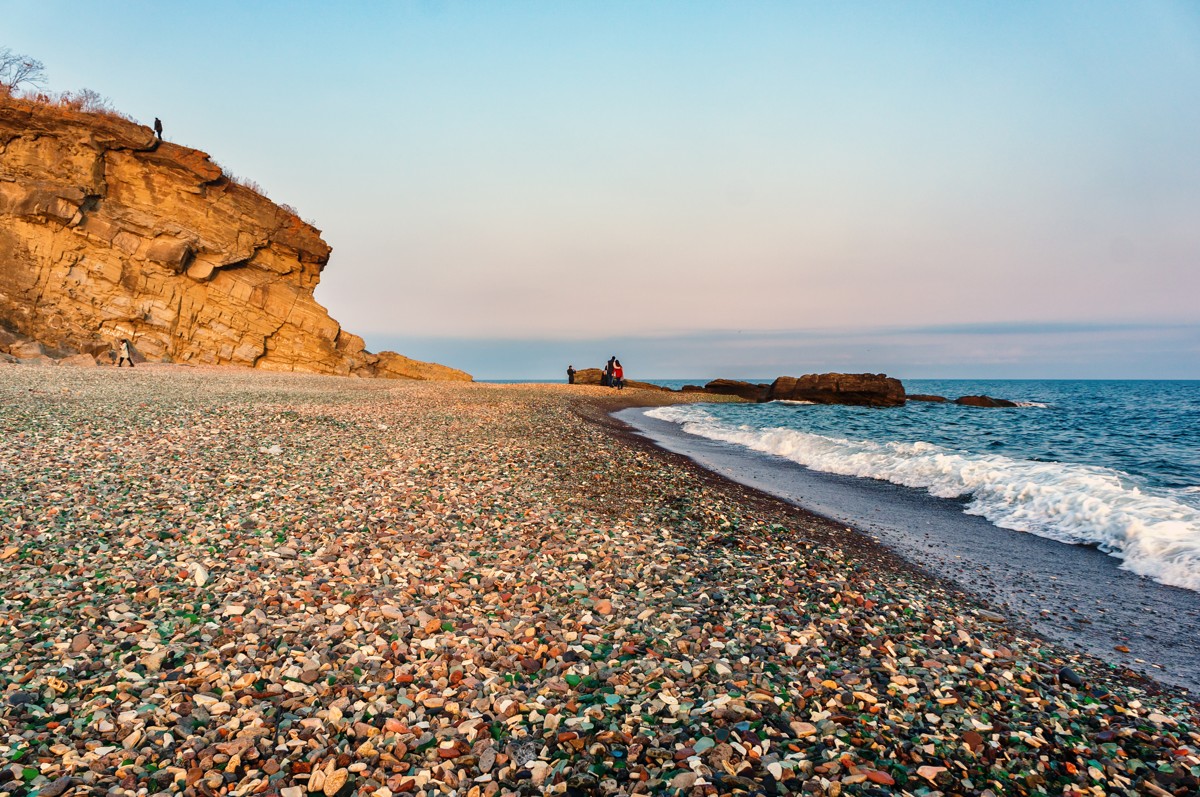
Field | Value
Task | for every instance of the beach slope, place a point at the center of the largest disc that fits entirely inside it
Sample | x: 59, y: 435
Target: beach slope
x: 223, y: 581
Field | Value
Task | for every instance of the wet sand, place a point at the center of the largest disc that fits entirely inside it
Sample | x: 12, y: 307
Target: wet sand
x: 231, y: 582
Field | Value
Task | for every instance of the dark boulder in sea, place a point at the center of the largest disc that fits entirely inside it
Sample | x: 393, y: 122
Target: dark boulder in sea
x: 864, y: 390
x: 692, y: 389
x: 732, y: 387
x: 927, y: 397
x: 983, y: 401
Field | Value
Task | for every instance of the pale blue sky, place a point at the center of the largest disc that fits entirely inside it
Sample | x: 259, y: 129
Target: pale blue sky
x: 927, y: 189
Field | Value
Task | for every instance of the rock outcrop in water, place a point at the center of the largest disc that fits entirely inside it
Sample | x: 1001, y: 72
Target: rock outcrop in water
x: 865, y: 390
x: 106, y: 232
x: 983, y: 401
x: 964, y: 401
x: 733, y: 387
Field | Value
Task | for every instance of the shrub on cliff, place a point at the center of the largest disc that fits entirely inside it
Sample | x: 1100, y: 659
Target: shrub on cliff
x: 86, y: 100
x: 245, y: 182
x: 18, y: 70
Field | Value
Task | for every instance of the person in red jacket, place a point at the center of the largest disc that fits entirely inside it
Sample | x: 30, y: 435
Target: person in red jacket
x: 618, y: 375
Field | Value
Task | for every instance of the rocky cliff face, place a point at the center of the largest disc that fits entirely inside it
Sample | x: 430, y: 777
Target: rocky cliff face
x: 108, y: 233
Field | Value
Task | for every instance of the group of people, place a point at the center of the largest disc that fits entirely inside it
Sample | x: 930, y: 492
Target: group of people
x: 612, y: 376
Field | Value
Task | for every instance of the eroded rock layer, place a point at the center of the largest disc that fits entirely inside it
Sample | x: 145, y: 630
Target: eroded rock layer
x: 108, y: 233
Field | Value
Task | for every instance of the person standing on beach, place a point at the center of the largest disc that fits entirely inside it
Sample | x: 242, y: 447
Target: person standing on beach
x: 125, y: 353
x: 157, y: 132
x: 618, y: 375
x: 570, y: 374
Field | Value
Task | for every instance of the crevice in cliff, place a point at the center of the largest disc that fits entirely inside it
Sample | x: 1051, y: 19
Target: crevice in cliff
x: 287, y: 317
x: 152, y: 147
x: 173, y: 329
x: 247, y: 261
x: 88, y: 205
x: 235, y: 265
x: 267, y: 344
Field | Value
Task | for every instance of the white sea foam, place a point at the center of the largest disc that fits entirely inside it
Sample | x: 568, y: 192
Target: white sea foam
x: 1037, y: 404
x: 1154, y: 535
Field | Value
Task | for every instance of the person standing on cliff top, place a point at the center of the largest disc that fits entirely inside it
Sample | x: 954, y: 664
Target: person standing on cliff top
x: 157, y: 132
x: 570, y: 374
x: 125, y: 353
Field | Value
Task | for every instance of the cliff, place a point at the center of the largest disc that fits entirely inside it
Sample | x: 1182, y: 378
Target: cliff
x: 107, y: 232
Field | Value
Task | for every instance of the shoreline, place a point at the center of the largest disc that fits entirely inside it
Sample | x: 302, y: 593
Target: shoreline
x: 241, y: 581
x: 1071, y: 595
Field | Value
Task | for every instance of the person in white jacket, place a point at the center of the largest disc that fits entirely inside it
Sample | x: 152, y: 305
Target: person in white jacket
x: 125, y: 353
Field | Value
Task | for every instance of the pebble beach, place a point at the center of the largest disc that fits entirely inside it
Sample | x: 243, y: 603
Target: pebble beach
x: 230, y: 582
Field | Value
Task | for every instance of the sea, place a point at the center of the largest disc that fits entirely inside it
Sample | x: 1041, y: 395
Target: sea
x: 1075, y: 514
x: 1109, y: 464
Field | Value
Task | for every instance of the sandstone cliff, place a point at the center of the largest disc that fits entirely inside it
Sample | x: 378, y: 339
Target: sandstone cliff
x: 108, y: 233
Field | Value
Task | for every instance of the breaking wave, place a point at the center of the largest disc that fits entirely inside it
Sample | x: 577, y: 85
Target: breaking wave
x: 1155, y: 533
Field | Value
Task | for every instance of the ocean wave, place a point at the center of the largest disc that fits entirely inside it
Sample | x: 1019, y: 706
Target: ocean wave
x: 1154, y: 535
x: 1038, y: 404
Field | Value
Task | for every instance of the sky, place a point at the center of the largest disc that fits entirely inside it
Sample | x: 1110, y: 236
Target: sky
x: 974, y: 190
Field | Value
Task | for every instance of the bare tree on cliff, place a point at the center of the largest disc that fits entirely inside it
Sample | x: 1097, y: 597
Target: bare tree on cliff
x: 20, y: 70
